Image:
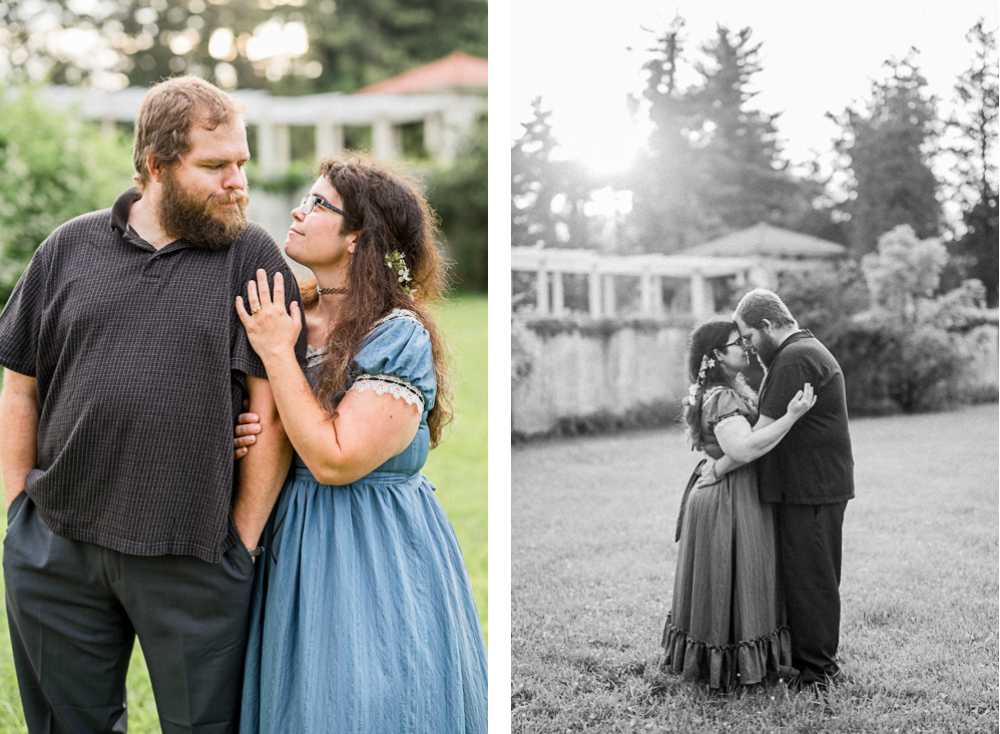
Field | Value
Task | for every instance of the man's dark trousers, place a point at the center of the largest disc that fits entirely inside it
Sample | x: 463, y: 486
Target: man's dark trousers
x: 809, y: 557
x: 75, y: 608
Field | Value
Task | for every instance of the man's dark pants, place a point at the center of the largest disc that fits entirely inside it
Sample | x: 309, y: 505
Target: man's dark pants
x: 809, y: 556
x: 75, y: 608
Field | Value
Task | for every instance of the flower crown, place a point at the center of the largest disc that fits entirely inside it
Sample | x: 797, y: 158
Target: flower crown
x: 707, y: 363
x: 395, y: 262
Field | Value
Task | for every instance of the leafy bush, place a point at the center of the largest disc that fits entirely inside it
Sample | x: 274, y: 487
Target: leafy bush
x: 53, y: 167
x: 863, y: 350
x: 825, y: 299
x: 459, y: 195
x: 901, y: 348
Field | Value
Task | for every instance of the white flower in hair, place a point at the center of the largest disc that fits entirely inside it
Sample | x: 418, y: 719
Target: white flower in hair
x: 707, y: 363
x: 395, y: 262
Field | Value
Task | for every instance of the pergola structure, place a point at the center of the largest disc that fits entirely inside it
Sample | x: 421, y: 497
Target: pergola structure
x: 447, y: 96
x: 447, y: 118
x: 772, y: 250
x: 603, y: 272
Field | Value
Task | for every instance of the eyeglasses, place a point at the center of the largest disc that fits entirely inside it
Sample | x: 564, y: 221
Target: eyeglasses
x: 742, y: 342
x: 309, y: 203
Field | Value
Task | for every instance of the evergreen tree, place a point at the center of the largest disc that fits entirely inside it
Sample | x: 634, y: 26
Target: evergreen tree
x: 975, y: 162
x: 744, y: 178
x: 886, y: 149
x: 666, y: 214
x: 713, y: 164
x: 534, y: 184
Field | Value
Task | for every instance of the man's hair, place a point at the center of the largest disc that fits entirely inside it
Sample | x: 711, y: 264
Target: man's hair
x: 760, y: 304
x: 168, y: 112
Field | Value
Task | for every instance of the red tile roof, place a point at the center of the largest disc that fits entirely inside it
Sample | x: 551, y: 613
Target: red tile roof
x: 455, y: 71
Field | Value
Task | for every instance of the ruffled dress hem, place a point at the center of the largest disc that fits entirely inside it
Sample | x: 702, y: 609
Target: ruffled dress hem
x: 725, y: 667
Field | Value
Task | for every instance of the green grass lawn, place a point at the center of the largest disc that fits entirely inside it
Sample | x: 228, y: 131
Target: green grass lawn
x: 593, y: 557
x: 457, y: 468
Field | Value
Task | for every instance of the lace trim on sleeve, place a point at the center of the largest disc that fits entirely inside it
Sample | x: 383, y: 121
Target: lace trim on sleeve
x: 382, y: 384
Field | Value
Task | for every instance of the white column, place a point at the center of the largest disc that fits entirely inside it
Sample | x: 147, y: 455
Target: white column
x: 701, y: 306
x: 646, y: 295
x: 329, y: 139
x: 558, y: 308
x: 434, y: 134
x: 656, y: 286
x: 609, y: 295
x: 274, y: 148
x: 542, y: 291
x: 384, y: 139
x: 594, y: 293
x: 283, y: 146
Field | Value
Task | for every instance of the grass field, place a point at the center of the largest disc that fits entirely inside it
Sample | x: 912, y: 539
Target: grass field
x: 457, y: 468
x: 592, y: 564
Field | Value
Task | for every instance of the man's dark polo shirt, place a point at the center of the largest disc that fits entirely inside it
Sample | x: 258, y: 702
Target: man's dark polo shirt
x: 141, y: 364
x: 813, y: 463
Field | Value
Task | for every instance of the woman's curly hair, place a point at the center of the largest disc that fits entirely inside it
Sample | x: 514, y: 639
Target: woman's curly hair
x: 704, y: 341
x: 389, y: 214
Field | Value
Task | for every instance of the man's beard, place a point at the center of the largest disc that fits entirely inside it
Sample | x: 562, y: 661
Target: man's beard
x: 205, y: 223
x: 766, y: 350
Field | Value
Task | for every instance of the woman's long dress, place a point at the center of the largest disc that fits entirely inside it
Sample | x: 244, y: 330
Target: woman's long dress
x: 363, y: 616
x: 726, y: 626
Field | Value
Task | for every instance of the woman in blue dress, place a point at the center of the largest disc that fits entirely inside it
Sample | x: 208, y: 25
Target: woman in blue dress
x: 363, y: 615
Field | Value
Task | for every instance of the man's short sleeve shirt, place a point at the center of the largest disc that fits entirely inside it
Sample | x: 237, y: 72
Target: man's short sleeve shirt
x: 141, y: 364
x: 813, y: 463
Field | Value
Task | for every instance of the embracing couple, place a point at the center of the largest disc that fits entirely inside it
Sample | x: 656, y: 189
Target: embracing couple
x: 756, y: 592
x: 315, y: 585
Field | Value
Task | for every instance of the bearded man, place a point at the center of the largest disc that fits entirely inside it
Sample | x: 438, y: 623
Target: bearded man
x: 126, y: 367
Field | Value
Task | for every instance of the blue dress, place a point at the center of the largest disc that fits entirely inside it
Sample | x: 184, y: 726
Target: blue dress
x: 363, y: 617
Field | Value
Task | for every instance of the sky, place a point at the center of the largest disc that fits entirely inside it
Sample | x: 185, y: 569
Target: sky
x: 816, y: 57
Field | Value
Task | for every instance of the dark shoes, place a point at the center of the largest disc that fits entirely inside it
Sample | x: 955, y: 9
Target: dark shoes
x: 797, y: 682
x: 818, y: 691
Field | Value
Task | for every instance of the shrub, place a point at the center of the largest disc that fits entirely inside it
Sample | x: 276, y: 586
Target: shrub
x: 863, y: 349
x: 901, y: 350
x: 825, y: 299
x: 459, y: 195
x: 53, y: 167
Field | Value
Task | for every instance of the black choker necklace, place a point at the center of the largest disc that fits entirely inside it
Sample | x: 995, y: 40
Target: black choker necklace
x: 330, y: 291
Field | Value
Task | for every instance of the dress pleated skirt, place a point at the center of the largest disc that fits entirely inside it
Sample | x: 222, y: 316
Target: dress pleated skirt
x: 363, y: 617
x: 726, y: 626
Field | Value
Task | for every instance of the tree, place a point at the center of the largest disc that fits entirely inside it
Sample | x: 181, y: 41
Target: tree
x: 287, y: 46
x: 886, y: 148
x: 459, y: 195
x: 52, y: 168
x: 534, y: 185
x: 904, y: 270
x: 666, y: 212
x: 901, y: 345
x: 714, y: 164
x: 744, y: 180
x: 975, y: 161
